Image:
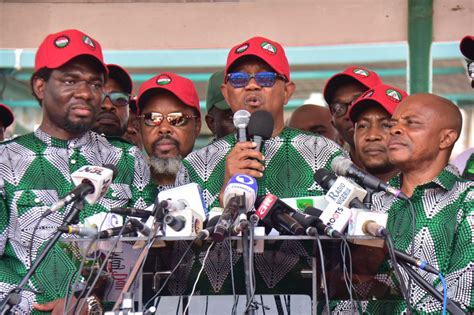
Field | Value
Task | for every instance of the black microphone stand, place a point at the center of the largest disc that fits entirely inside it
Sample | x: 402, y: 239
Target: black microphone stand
x: 452, y: 307
x: 13, y: 298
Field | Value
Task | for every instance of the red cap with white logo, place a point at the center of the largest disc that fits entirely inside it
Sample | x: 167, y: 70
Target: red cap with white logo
x: 59, y: 48
x: 364, y: 76
x: 182, y: 87
x: 269, y: 51
x: 384, y: 95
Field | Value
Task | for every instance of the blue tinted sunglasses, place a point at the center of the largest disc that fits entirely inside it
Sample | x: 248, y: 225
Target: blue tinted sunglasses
x: 263, y: 79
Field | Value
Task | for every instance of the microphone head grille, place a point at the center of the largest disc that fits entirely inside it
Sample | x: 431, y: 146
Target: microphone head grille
x: 241, y: 118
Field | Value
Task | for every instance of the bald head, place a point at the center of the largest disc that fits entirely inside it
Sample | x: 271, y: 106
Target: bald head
x: 315, y: 119
x: 425, y: 129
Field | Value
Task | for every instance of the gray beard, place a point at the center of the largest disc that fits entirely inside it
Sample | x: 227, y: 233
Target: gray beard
x: 165, y: 166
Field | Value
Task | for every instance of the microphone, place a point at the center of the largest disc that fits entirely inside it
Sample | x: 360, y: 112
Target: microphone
x: 260, y: 127
x: 132, y: 212
x: 177, y: 222
x: 340, y: 190
x: 115, y: 231
x: 81, y: 230
x: 316, y: 224
x: 140, y: 226
x: 371, y: 227
x: 92, y: 182
x: 275, y: 213
x: 228, y: 216
x: 241, y: 120
x: 171, y: 205
x: 421, y: 264
x: 204, y: 234
x: 345, y: 167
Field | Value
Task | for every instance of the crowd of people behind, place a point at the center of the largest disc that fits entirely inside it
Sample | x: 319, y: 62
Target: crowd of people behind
x: 91, y: 118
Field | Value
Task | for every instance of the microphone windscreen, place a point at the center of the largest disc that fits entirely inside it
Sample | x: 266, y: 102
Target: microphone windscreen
x: 261, y: 124
x: 113, y: 168
x: 324, y: 178
x: 241, y: 118
x: 313, y: 211
x: 340, y: 165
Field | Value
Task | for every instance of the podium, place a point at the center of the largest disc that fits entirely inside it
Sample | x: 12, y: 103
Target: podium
x: 288, y: 265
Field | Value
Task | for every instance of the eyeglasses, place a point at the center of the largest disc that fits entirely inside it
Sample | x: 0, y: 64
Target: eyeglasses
x: 117, y: 98
x: 264, y: 79
x: 340, y: 109
x: 177, y: 119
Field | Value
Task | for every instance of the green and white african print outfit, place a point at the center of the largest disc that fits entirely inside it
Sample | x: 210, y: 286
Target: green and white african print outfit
x: 35, y: 171
x: 444, y: 237
x: 291, y: 158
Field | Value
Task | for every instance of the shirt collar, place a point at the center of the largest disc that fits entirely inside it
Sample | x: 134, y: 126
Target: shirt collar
x: 60, y: 143
x: 446, y: 179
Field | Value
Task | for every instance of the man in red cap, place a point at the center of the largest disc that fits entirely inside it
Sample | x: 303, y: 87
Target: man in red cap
x: 257, y: 77
x: 340, y: 91
x: 35, y: 171
x: 113, y: 116
x: 6, y: 119
x: 170, y: 122
x: 371, y: 115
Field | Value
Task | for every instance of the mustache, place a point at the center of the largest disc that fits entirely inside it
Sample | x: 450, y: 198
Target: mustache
x: 167, y: 138
x: 107, y: 115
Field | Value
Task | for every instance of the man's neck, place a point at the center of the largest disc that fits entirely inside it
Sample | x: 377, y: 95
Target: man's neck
x: 385, y: 176
x: 420, y: 174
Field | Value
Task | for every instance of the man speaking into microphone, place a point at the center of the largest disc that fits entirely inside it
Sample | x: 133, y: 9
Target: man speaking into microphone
x: 36, y: 168
x: 256, y: 79
x: 424, y: 129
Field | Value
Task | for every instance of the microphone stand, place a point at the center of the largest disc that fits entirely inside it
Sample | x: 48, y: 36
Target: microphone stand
x: 451, y: 306
x: 14, y: 296
x: 247, y: 253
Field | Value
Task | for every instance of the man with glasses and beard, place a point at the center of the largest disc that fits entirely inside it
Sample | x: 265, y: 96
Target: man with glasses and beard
x: 113, y: 116
x: 170, y: 122
x: 340, y: 91
x: 35, y: 171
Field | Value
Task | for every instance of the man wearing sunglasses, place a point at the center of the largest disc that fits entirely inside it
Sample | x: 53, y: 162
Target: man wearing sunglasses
x: 35, y: 170
x: 257, y: 77
x: 170, y: 122
x: 340, y: 91
x: 112, y: 119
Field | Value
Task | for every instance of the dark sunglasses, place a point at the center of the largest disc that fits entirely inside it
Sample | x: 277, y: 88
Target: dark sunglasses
x: 117, y: 98
x: 174, y: 119
x: 263, y: 79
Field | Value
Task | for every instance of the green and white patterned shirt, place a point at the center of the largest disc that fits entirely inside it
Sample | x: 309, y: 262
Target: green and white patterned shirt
x: 444, y: 237
x: 35, y: 171
x: 291, y: 158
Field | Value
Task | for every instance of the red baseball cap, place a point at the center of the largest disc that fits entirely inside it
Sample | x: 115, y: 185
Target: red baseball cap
x: 6, y: 115
x: 467, y: 47
x: 269, y: 51
x: 59, y: 48
x: 183, y: 88
x: 364, y: 76
x: 384, y: 95
x: 122, y: 77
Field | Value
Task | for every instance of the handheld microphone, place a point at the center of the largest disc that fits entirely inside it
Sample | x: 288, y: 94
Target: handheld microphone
x: 132, y: 212
x: 92, y: 182
x: 345, y: 167
x: 274, y: 213
x: 204, y: 234
x: 260, y: 127
x: 241, y: 120
x: 340, y: 190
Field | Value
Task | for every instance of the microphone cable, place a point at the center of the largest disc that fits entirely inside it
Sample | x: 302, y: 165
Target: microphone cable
x: 323, y: 271
x: 198, y: 277
x: 234, y: 296
x: 345, y: 250
x: 251, y: 267
x: 398, y: 274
